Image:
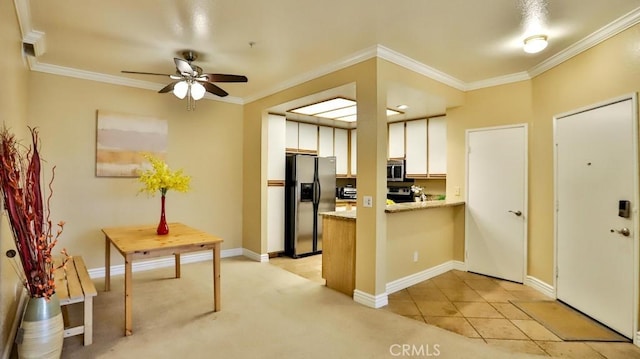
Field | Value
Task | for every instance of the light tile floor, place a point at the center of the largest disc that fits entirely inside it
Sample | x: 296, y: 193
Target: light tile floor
x: 477, y: 307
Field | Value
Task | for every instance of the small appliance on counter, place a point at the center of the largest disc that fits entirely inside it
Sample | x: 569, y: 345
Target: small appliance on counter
x: 400, y: 194
x: 348, y: 192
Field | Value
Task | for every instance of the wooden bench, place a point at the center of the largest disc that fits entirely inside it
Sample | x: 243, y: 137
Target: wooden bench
x: 73, y: 285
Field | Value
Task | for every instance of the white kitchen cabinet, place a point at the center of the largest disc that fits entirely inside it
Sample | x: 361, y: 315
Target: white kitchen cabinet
x: 341, y: 151
x: 396, y: 140
x: 292, y: 136
x: 302, y: 137
x: 416, y: 156
x: 437, y: 149
x: 307, y: 137
x: 354, y: 146
x: 325, y: 141
x: 275, y: 219
x: 276, y: 144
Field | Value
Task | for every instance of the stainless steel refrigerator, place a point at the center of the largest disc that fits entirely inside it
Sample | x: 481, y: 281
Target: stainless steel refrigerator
x: 310, y: 188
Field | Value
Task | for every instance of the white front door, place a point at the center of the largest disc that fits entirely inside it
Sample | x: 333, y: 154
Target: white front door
x: 496, y: 207
x: 596, y: 171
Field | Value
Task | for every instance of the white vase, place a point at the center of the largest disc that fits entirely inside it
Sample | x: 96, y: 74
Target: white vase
x: 41, y: 332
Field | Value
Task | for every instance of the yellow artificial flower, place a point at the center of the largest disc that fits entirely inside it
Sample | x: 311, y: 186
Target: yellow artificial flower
x: 161, y: 178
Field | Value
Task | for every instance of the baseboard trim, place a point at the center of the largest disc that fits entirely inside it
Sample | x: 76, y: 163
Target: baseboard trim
x: 255, y: 256
x: 413, y: 279
x: 372, y: 301
x: 165, y: 262
x: 8, y: 346
x: 461, y: 266
x: 540, y: 286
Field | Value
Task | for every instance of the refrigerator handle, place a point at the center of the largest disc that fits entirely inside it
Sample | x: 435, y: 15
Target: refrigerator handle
x: 316, y: 191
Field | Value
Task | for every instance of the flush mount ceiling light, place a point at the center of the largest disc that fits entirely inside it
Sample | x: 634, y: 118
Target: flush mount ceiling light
x: 339, y: 109
x: 534, y: 44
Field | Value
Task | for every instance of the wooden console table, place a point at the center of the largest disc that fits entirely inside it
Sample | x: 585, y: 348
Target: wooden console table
x: 142, y: 242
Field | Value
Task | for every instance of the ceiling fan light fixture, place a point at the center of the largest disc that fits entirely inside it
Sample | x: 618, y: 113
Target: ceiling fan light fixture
x: 180, y: 89
x: 197, y: 90
x: 535, y: 43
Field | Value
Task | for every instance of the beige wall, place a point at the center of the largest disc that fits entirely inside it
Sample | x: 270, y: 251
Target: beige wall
x: 608, y: 70
x: 206, y: 143
x: 13, y: 114
x: 430, y: 232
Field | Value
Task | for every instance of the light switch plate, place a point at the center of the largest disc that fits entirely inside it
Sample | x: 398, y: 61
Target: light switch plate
x: 367, y: 201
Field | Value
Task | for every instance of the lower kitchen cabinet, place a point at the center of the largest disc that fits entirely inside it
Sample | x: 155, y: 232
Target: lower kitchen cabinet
x: 339, y: 253
x: 275, y: 219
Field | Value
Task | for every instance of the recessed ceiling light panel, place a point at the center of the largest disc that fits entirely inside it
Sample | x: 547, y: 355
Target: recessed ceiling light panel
x: 324, y: 106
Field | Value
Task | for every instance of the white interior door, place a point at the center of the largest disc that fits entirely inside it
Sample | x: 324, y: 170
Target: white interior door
x: 596, y: 167
x: 496, y: 208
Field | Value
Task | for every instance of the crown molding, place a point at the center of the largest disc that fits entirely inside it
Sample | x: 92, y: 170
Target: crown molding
x: 23, y: 12
x: 617, y: 26
x: 497, y: 81
x: 360, y: 56
x: 111, y: 79
x: 416, y: 66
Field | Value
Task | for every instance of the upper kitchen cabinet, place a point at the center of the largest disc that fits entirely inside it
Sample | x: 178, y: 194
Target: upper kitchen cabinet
x: 301, y: 137
x: 292, y: 136
x: 396, y: 140
x: 353, y: 146
x: 416, y: 144
x: 341, y: 151
x: 437, y: 149
x: 307, y: 138
x: 426, y: 148
x: 276, y: 144
x: 325, y: 141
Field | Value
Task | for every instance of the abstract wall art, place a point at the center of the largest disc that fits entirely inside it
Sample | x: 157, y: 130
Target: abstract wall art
x: 123, y: 139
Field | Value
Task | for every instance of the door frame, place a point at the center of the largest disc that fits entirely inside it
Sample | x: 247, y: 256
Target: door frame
x: 525, y: 207
x: 636, y: 198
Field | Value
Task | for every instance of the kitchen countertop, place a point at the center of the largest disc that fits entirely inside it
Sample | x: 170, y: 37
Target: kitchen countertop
x: 412, y: 206
x: 396, y: 208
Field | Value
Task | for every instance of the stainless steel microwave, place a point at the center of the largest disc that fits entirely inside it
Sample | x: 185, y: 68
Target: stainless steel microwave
x: 395, y: 170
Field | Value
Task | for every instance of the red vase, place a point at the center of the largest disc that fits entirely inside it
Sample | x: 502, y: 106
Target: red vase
x: 163, y: 227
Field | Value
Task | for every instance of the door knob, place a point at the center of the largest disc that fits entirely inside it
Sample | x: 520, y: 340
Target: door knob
x: 517, y: 213
x: 624, y: 231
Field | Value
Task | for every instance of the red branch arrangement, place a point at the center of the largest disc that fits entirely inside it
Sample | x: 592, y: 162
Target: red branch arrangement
x: 28, y: 213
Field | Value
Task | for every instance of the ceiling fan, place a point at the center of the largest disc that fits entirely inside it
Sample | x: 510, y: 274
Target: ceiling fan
x: 191, y: 81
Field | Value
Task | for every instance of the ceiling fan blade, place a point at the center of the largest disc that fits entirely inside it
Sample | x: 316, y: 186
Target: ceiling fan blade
x: 214, y: 89
x: 183, y: 66
x: 225, y: 78
x: 168, y: 88
x: 144, y: 73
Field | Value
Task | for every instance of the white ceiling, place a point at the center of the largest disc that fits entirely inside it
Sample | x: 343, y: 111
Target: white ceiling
x: 464, y: 43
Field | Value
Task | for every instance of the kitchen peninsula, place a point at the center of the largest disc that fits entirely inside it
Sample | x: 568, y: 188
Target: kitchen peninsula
x: 420, y: 236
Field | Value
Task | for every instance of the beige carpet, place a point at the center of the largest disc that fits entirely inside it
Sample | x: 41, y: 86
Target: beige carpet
x: 267, y: 312
x: 567, y: 323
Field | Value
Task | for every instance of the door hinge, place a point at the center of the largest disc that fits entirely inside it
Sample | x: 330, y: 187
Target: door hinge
x: 466, y: 255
